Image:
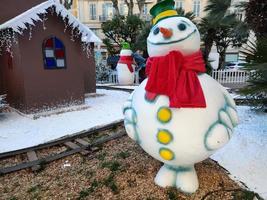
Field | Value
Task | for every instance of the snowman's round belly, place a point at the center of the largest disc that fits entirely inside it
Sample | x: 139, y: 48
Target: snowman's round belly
x: 125, y: 77
x: 177, y: 136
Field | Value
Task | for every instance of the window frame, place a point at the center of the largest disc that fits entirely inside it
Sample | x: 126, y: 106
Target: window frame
x: 196, y: 7
x: 122, y: 8
x: 179, y: 4
x: 145, y: 10
x: 92, y: 11
x: 106, y: 7
x: 54, y: 48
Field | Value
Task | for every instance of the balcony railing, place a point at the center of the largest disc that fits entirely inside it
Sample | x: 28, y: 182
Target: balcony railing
x: 92, y: 17
x: 103, y: 18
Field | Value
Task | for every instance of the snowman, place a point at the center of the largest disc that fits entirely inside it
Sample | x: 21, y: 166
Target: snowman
x: 126, y: 66
x: 179, y: 115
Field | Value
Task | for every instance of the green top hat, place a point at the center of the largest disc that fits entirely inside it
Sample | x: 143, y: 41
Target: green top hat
x: 126, y: 45
x: 163, y: 9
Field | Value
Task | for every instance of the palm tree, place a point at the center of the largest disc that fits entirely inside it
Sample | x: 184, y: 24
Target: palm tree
x: 256, y: 16
x: 222, y: 28
x: 67, y: 3
x: 207, y: 28
x: 255, y: 53
x: 190, y: 15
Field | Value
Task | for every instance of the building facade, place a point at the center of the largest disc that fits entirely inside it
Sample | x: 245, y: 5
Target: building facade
x: 95, y: 12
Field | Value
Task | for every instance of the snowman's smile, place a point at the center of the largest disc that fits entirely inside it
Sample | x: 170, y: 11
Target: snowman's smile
x: 171, y: 42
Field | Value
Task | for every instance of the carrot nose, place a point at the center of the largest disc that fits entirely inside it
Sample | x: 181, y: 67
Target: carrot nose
x: 167, y: 33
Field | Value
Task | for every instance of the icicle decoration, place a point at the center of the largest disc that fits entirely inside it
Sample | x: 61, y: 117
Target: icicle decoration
x: 52, y: 10
x: 72, y: 35
x: 65, y: 24
x: 87, y: 49
x: 27, y: 20
x: 14, y: 38
x: 7, y: 37
x: 30, y: 32
x: 43, y: 20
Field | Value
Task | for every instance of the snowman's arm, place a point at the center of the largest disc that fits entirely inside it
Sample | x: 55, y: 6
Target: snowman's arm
x: 128, y: 103
x: 230, y: 108
x: 130, y: 118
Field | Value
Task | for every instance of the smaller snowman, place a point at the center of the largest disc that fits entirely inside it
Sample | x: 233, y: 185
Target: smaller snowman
x: 126, y: 66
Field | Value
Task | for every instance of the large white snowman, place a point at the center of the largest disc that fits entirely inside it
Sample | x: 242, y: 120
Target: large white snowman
x: 184, y: 135
x: 126, y: 66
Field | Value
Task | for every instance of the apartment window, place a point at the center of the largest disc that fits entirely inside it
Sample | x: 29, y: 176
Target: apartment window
x: 122, y: 10
x: 179, y: 4
x: 80, y: 7
x: 92, y: 11
x: 145, y: 9
x: 107, y: 9
x: 231, y: 57
x: 196, y: 8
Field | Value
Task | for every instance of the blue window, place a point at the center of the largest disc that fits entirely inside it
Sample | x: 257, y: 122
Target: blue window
x: 54, y: 53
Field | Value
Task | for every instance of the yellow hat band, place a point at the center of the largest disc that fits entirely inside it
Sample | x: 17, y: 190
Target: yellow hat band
x: 167, y: 13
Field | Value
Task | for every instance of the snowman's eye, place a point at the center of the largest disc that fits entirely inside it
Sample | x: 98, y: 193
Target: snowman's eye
x: 181, y: 27
x: 156, y: 31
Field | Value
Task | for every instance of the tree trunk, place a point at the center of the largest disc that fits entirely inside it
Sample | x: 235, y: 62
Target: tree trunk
x: 222, y: 59
x: 141, y: 4
x: 130, y: 6
x: 208, y: 46
x: 116, y: 7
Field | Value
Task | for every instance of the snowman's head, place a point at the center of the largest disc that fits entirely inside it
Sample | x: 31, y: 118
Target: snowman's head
x: 173, y: 34
x: 125, y: 49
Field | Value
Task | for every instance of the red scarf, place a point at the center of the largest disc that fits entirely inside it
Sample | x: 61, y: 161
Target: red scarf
x: 175, y: 76
x: 127, y: 60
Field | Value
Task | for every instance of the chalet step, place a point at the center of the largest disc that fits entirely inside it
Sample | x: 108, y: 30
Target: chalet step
x: 75, y: 146
x: 82, y: 142
x: 32, y: 157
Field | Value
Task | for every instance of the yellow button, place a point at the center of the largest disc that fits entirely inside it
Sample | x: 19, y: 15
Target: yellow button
x: 164, y: 136
x: 166, y: 154
x: 164, y: 114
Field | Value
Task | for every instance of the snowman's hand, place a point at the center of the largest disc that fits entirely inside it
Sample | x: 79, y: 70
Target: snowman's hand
x: 230, y: 109
x: 221, y: 131
x: 130, y: 118
x: 216, y: 136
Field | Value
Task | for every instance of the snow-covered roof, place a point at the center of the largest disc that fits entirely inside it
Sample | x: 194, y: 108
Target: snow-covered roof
x: 31, y: 16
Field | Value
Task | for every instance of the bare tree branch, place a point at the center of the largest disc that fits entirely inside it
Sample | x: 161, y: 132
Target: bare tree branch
x: 116, y: 7
x: 130, y: 6
x: 141, y: 4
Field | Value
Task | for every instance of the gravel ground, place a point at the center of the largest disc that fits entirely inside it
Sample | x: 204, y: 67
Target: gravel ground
x: 120, y: 170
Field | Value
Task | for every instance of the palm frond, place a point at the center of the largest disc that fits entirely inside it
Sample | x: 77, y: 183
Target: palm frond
x: 218, y: 8
x: 255, y: 53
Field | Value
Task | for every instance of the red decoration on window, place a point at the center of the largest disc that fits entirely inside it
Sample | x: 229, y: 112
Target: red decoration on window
x: 49, y: 43
x: 54, y: 53
x: 59, y: 53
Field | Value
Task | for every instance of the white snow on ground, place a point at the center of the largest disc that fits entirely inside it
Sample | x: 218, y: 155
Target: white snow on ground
x: 112, y: 85
x: 104, y: 84
x: 237, y: 96
x: 245, y: 156
x: 17, y: 132
x: 131, y: 87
